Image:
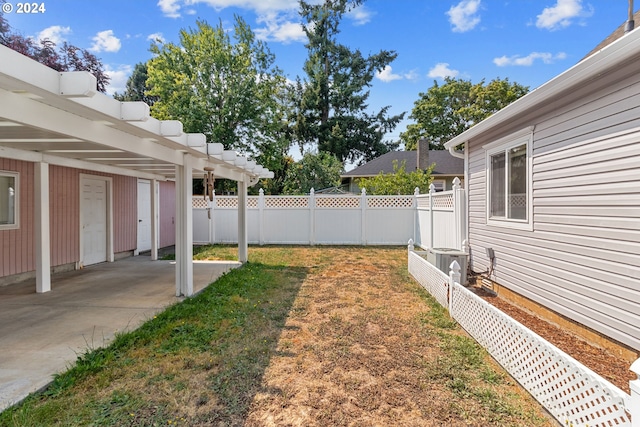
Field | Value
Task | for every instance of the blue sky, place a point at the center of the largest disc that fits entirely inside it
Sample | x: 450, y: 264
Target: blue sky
x: 527, y: 41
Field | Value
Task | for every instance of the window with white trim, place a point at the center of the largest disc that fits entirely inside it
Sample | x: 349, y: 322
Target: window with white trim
x: 509, y: 181
x: 439, y: 184
x: 9, y: 200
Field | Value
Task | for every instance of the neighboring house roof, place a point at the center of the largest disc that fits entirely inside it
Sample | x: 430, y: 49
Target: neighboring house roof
x: 446, y: 164
x: 619, y: 32
x: 560, y: 90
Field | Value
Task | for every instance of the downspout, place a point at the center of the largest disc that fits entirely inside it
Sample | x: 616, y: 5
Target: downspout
x: 454, y: 153
x: 630, y: 23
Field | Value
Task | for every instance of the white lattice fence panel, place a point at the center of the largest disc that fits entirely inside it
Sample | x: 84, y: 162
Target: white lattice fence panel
x: 429, y: 277
x: 252, y: 202
x: 199, y: 202
x: 571, y: 392
x: 443, y: 200
x: 390, y: 201
x: 286, y: 202
x: 332, y: 202
x: 422, y: 201
x: 224, y: 202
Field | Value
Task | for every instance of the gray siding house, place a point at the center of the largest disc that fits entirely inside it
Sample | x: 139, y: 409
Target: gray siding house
x: 553, y: 187
x: 447, y: 167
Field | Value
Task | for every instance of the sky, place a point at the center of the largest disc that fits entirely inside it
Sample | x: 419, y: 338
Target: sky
x: 526, y: 41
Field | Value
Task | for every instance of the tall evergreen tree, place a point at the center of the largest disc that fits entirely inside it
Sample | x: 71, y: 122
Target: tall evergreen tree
x: 137, y: 87
x: 333, y: 99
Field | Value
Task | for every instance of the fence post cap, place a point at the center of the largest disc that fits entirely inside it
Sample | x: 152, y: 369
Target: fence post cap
x: 364, y: 191
x: 416, y: 191
x: 432, y: 188
x: 410, y: 244
x: 261, y: 192
x: 455, y: 267
x: 312, y: 191
x: 456, y: 183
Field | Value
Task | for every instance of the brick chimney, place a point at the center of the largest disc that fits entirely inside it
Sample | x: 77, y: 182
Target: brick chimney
x: 423, y: 154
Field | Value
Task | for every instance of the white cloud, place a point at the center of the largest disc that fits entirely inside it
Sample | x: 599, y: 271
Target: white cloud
x: 54, y: 33
x: 279, y: 28
x: 119, y: 77
x: 441, y: 71
x: 361, y: 15
x: 386, y: 75
x: 463, y: 16
x: 562, y: 14
x: 527, y: 61
x: 170, y: 8
x: 156, y: 37
x: 105, y: 41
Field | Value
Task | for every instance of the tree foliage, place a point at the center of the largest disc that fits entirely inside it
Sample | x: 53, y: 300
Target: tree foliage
x: 331, y: 111
x: 65, y: 58
x: 227, y: 89
x: 447, y: 110
x: 317, y: 171
x: 137, y: 87
x: 399, y: 182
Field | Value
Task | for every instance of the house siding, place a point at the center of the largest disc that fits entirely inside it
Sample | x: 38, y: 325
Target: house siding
x: 167, y: 214
x: 17, y: 246
x: 582, y: 258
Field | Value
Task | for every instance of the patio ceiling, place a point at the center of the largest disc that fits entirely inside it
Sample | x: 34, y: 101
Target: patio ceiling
x: 59, y: 118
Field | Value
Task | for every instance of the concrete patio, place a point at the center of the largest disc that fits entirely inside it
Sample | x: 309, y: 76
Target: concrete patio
x: 42, y: 334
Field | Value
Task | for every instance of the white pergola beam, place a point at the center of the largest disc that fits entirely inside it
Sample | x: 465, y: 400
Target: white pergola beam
x: 77, y: 84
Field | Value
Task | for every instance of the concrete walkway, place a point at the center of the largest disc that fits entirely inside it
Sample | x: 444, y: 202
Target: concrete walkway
x: 42, y: 334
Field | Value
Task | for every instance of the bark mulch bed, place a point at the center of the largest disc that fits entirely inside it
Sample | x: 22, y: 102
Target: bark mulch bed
x: 609, y: 366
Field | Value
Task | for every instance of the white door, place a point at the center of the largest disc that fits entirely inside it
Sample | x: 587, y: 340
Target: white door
x: 93, y: 208
x: 144, y: 215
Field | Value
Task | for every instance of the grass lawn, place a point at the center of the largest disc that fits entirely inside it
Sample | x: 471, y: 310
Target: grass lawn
x: 309, y: 336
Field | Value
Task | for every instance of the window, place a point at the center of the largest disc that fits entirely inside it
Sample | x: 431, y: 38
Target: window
x: 439, y: 184
x: 8, y: 200
x: 508, y: 180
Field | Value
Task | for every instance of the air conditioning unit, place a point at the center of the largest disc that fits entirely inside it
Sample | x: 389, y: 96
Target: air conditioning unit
x: 442, y: 258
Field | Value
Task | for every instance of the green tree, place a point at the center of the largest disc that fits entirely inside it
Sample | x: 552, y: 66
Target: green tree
x: 332, y: 104
x: 137, y: 87
x: 317, y: 171
x: 230, y: 90
x: 447, y: 110
x: 398, y: 182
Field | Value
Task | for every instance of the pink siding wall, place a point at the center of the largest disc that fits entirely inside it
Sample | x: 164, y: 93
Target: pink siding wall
x: 64, y: 211
x: 125, y: 213
x: 16, y: 246
x: 167, y: 208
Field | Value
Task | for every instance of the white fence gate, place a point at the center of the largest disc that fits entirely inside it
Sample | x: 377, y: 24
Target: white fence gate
x: 571, y: 392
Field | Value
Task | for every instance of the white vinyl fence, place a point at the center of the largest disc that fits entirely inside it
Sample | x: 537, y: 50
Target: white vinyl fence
x: 571, y: 392
x: 432, y: 220
x: 308, y: 220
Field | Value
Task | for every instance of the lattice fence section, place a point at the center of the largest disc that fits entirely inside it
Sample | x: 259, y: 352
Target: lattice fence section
x: 252, y: 202
x: 337, y: 202
x: 571, y: 392
x: 443, y: 200
x: 230, y: 202
x: 390, y: 202
x: 429, y: 277
x: 199, y: 202
x: 285, y: 202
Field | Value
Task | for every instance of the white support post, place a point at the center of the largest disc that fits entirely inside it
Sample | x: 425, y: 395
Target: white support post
x: 633, y: 403
x: 261, y: 215
x: 454, y: 277
x: 459, y: 212
x: 180, y: 261
x: 312, y: 217
x: 432, y: 191
x: 184, y: 228
x: 363, y: 216
x: 212, y: 218
x: 41, y: 228
x: 154, y: 219
x: 416, y: 214
x: 243, y: 245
